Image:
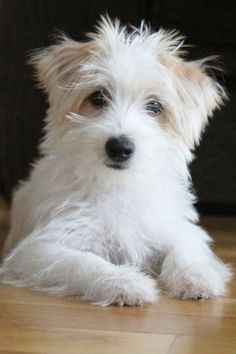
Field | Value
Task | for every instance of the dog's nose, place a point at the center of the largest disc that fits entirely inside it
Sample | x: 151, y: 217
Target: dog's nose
x: 120, y: 148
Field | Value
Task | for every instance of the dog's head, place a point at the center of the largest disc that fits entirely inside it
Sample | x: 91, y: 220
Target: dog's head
x: 124, y: 100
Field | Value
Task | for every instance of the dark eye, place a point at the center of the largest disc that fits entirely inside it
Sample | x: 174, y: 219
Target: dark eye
x: 98, y: 99
x: 154, y: 107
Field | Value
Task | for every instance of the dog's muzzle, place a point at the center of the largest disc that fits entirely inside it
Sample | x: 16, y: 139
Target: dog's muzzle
x: 119, y: 150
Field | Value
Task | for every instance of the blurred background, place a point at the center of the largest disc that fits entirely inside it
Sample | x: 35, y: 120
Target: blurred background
x: 27, y: 24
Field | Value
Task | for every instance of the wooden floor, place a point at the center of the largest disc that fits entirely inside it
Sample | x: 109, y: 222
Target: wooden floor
x: 34, y: 323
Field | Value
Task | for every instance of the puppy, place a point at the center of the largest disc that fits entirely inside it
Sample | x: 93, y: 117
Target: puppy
x: 108, y: 209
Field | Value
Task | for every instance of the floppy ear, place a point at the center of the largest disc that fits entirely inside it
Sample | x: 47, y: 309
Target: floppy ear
x: 197, y: 95
x: 58, y: 65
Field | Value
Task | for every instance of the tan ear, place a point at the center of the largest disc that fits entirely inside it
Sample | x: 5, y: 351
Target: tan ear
x: 197, y: 95
x: 59, y: 65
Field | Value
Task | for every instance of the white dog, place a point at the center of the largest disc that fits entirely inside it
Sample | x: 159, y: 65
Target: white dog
x: 107, y: 210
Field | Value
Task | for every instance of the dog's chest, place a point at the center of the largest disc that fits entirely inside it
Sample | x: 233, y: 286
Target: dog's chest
x: 125, y: 230
x: 118, y: 228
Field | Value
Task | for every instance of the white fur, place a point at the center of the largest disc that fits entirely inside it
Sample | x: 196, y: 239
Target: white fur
x: 82, y: 228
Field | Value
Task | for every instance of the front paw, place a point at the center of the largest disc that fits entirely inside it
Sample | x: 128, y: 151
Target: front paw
x: 195, y: 281
x: 128, y: 288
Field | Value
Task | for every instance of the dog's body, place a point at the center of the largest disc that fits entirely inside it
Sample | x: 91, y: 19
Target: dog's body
x: 108, y: 208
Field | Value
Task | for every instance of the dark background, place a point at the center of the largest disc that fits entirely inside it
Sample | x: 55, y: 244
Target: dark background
x: 28, y: 24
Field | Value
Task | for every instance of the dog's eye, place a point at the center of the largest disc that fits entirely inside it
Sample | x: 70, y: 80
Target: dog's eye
x: 98, y: 99
x: 154, y: 107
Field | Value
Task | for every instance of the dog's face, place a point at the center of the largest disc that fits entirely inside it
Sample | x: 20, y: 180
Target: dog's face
x: 124, y: 103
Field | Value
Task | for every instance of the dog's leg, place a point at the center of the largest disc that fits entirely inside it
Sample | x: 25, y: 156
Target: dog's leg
x: 61, y: 270
x: 190, y: 269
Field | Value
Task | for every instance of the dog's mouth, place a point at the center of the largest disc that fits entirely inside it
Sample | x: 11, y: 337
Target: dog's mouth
x: 117, y: 165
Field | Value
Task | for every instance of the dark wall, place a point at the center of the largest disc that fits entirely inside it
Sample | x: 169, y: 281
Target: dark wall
x: 25, y: 25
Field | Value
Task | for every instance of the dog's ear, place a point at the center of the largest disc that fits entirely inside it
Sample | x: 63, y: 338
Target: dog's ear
x: 197, y: 95
x: 58, y: 66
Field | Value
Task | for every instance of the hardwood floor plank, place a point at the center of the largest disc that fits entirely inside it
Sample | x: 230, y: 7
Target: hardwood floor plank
x: 204, y: 345
x: 78, y: 341
x: 126, y: 320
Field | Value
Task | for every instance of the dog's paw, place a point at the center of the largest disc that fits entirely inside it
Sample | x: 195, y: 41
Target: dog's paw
x: 134, y: 288
x: 129, y: 288
x: 198, y: 281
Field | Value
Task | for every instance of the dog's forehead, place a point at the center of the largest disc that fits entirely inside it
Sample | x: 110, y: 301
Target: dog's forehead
x: 131, y: 65
x: 131, y: 58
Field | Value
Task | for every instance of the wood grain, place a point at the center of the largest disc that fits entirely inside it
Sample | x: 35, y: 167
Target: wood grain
x: 35, y: 323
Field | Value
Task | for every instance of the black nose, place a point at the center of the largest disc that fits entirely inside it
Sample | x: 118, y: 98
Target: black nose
x: 119, y: 149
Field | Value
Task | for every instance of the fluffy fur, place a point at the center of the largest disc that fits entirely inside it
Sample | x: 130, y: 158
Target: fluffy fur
x: 80, y: 227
